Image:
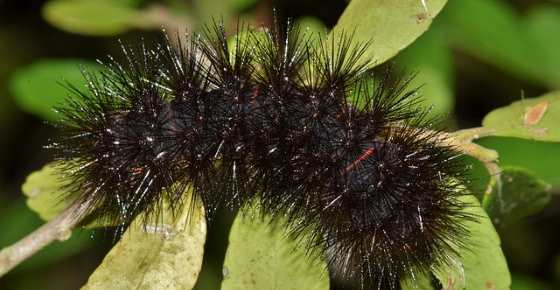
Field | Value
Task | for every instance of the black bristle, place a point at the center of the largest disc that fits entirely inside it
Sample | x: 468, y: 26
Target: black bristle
x: 117, y: 141
x: 270, y: 117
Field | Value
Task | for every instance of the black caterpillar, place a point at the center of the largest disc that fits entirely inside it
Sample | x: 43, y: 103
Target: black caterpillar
x: 271, y: 118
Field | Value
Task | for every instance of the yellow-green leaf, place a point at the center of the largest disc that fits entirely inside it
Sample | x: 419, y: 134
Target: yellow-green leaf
x: 260, y: 256
x: 534, y: 118
x: 314, y: 28
x: 482, y: 266
x: 44, y: 193
x: 390, y: 26
x: 164, y: 255
x: 421, y: 281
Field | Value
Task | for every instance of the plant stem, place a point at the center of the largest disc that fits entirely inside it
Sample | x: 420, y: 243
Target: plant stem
x: 462, y: 140
x: 60, y: 228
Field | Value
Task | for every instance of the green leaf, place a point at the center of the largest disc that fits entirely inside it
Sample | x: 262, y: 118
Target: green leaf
x: 430, y: 57
x: 537, y: 157
x: 521, y: 195
x: 206, y: 10
x: 99, y: 18
x: 39, y: 87
x: 534, y: 118
x: 261, y: 256
x: 522, y: 282
x: 482, y: 266
x: 164, y: 255
x: 46, y: 196
x: 390, y: 26
x: 311, y: 24
x: 44, y: 193
x: 477, y: 175
x: 422, y: 282
x: 241, y: 5
x: 314, y: 28
x: 132, y: 3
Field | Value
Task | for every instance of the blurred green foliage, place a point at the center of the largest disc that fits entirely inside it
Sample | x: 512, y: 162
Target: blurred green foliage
x: 520, y: 195
x: 431, y: 61
x: 493, y: 31
x: 43, y: 85
x: 83, y: 16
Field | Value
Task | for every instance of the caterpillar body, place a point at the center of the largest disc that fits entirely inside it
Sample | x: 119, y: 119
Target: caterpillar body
x: 271, y: 119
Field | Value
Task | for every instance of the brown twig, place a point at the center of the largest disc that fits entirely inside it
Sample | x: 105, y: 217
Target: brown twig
x: 462, y: 140
x: 60, y: 228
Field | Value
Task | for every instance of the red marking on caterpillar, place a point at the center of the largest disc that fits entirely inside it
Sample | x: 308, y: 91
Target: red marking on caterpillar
x: 367, y: 153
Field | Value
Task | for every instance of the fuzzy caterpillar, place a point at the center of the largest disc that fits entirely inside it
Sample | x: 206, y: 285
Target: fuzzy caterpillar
x: 271, y: 120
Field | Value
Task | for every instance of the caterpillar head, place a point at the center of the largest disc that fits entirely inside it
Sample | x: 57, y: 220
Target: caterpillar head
x: 115, y: 143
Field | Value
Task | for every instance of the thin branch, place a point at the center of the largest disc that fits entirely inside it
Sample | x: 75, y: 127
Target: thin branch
x: 60, y: 228
x: 462, y: 140
x: 468, y: 135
